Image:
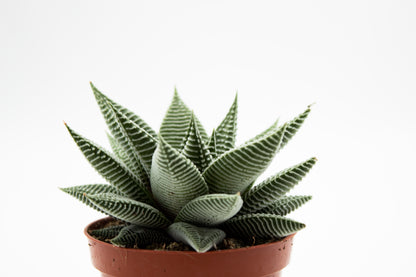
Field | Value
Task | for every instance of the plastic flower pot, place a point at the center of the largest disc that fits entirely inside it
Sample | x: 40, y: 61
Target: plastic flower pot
x: 266, y: 260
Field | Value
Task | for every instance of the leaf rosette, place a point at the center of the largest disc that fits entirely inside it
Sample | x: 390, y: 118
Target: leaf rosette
x: 181, y: 184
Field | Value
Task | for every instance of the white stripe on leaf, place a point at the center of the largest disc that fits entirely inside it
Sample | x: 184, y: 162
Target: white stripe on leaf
x: 264, y: 226
x: 199, y: 238
x: 175, y: 179
x: 194, y: 147
x: 129, y: 210
x: 176, y: 121
x: 286, y: 205
x: 116, y: 173
x: 275, y: 187
x: 210, y: 209
x: 223, y: 138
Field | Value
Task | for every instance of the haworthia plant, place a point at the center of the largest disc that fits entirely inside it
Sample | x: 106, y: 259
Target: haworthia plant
x: 186, y: 186
x: 137, y: 236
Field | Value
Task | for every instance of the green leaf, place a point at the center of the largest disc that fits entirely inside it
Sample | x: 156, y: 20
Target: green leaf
x: 175, y: 124
x: 129, y: 210
x: 264, y: 226
x: 137, y: 236
x: 210, y: 209
x: 294, y: 125
x: 175, y: 180
x: 212, y: 144
x: 194, y: 147
x: 79, y: 192
x: 106, y: 233
x: 199, y: 238
x: 141, y: 143
x: 121, y: 128
x: 223, y: 138
x: 273, y: 128
x: 119, y: 152
x: 275, y: 187
x: 286, y: 205
x: 111, y: 169
x: 237, y: 169
x: 102, y: 99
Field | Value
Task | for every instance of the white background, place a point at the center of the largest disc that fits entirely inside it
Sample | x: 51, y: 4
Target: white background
x: 355, y: 59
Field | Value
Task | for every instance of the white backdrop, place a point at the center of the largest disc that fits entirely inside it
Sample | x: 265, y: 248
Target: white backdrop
x: 354, y: 59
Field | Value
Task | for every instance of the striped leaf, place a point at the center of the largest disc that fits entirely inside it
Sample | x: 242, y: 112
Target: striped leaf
x: 106, y: 233
x: 225, y: 133
x: 275, y: 187
x: 212, y: 144
x: 194, y: 147
x: 175, y: 124
x: 115, y: 120
x: 286, y: 205
x: 102, y: 99
x: 274, y: 127
x: 141, y: 143
x: 199, y: 238
x: 111, y: 169
x: 294, y: 125
x: 119, y: 152
x: 263, y: 226
x: 79, y: 192
x: 175, y: 180
x: 129, y: 210
x: 210, y: 209
x: 136, y: 236
x: 235, y: 170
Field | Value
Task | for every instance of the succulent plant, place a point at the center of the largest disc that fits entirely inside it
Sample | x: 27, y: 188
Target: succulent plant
x: 183, y: 185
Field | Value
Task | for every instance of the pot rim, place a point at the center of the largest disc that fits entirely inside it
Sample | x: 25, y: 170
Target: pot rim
x: 176, y: 252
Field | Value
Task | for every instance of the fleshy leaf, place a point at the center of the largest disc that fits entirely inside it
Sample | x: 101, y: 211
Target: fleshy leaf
x: 264, y: 226
x: 274, y: 127
x: 141, y: 143
x: 100, y: 97
x: 275, y: 187
x: 117, y: 122
x: 129, y: 210
x: 175, y: 179
x: 175, y: 124
x: 194, y: 147
x: 79, y: 192
x: 199, y: 238
x: 210, y: 209
x: 237, y: 169
x: 224, y: 136
x: 286, y: 205
x: 212, y: 144
x: 111, y: 169
x: 107, y: 233
x: 119, y: 152
x: 294, y: 125
x: 136, y: 236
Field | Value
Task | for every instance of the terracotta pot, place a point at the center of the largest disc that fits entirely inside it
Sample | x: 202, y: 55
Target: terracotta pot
x: 265, y: 260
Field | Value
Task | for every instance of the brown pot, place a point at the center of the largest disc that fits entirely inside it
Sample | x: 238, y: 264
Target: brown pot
x: 265, y: 260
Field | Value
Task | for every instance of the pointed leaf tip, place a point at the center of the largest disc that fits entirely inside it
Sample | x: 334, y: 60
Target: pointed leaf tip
x: 199, y: 238
x: 224, y: 136
x: 129, y: 210
x: 176, y: 122
x: 275, y: 187
x: 175, y: 180
x: 210, y: 209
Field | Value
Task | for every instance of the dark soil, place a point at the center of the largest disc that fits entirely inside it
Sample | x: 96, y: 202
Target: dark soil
x: 227, y: 243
